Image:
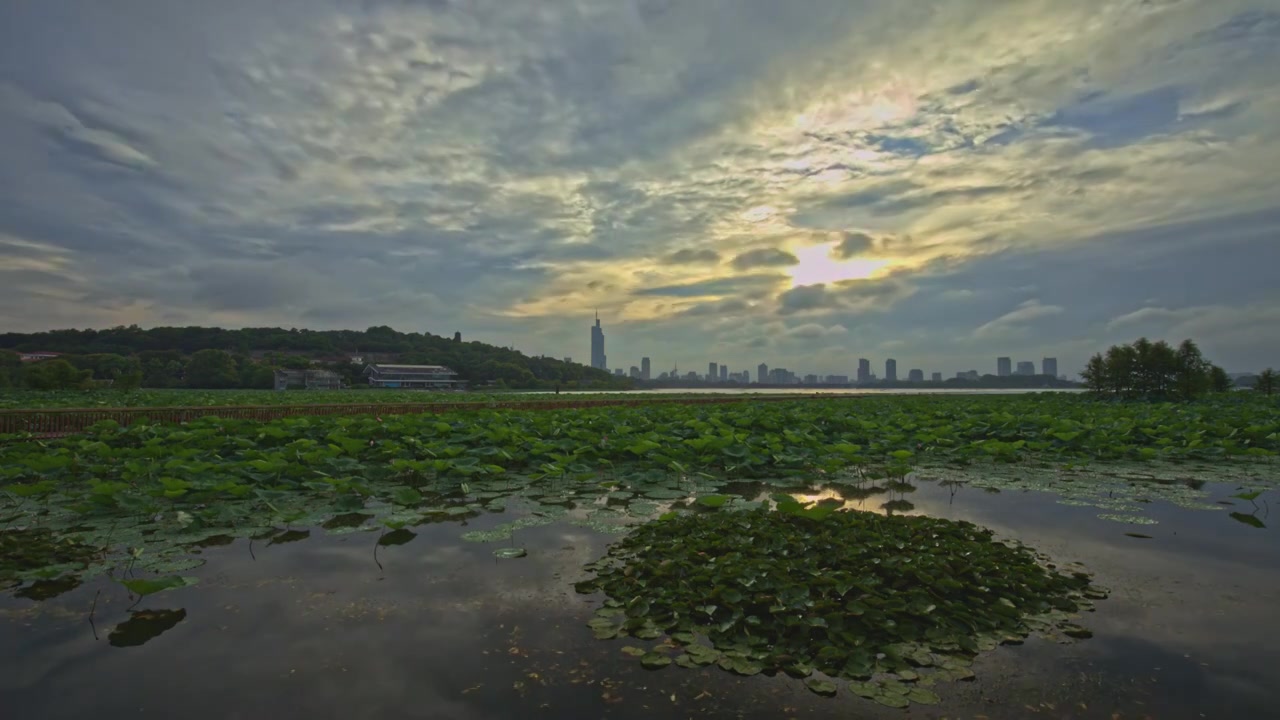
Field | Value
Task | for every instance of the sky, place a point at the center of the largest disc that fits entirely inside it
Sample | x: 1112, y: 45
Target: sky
x: 739, y: 181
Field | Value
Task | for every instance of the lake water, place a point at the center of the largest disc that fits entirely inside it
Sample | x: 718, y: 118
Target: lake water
x: 317, y: 625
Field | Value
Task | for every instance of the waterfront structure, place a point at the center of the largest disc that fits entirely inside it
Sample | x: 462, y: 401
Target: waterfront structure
x: 644, y: 368
x: 1004, y: 367
x: 310, y: 379
x: 1025, y: 367
x: 915, y: 375
x: 762, y: 373
x: 936, y: 377
x: 413, y: 377
x: 864, y: 370
x: 598, y: 359
x: 891, y: 370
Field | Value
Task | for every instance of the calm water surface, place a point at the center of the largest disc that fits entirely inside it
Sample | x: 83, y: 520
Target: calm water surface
x: 316, y: 626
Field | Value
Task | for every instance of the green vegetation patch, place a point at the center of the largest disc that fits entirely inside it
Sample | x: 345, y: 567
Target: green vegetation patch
x: 897, y: 601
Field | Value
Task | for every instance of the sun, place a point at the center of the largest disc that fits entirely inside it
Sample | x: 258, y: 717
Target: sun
x: 818, y: 266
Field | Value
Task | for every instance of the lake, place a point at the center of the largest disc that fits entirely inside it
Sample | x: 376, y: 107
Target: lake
x: 304, y: 622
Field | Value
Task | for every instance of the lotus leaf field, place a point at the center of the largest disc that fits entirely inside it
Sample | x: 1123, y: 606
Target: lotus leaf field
x: 735, y: 545
x: 49, y: 399
x: 905, y: 601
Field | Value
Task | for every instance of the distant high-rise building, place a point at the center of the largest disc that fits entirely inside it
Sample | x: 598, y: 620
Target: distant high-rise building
x: 644, y: 368
x: 1026, y: 367
x: 724, y: 372
x: 1049, y: 366
x: 762, y: 373
x: 1004, y: 367
x: 864, y: 370
x: 968, y: 375
x: 936, y: 377
x: 915, y: 375
x: 891, y: 370
x: 837, y: 379
x: 713, y: 372
x: 597, y: 346
x: 635, y: 373
x: 618, y: 372
x: 810, y: 379
x: 691, y: 375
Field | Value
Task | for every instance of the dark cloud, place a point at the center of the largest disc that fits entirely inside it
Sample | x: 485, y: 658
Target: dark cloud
x: 853, y: 244
x: 720, y: 286
x: 764, y: 257
x: 691, y: 257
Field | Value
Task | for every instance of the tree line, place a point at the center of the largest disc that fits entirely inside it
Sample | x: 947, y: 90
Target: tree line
x: 216, y: 358
x: 1154, y: 371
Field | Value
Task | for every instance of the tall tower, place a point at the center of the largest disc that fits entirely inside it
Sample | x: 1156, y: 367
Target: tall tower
x: 1049, y: 366
x: 864, y: 370
x: 762, y: 373
x: 598, y: 359
x: 891, y: 370
x: 713, y: 372
x: 724, y: 373
x: 1004, y: 366
x: 644, y: 368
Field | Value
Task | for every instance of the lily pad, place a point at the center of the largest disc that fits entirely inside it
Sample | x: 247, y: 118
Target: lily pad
x: 510, y: 553
x: 818, y: 686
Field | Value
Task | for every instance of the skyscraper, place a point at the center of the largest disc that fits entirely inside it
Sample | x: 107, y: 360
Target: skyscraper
x: 915, y: 376
x: 597, y: 346
x: 864, y: 370
x: 891, y: 370
x: 1049, y: 366
x: 1026, y: 367
x: 644, y: 368
x: 762, y: 373
x: 713, y: 372
x: 936, y: 377
x: 724, y: 373
x: 1004, y: 367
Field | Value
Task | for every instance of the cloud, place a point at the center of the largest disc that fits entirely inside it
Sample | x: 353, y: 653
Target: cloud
x: 505, y: 170
x: 718, y: 286
x: 852, y: 245
x: 691, y: 257
x: 764, y: 257
x: 1016, y: 319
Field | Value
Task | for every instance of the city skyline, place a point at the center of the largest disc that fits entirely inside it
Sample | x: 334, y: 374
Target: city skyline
x: 719, y: 371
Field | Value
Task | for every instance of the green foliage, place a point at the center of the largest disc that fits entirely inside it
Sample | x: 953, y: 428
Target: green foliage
x: 853, y: 594
x: 1266, y: 382
x: 212, y: 369
x: 160, y: 353
x: 55, y: 374
x: 1153, y: 371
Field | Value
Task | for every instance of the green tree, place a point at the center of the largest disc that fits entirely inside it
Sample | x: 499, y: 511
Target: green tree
x: 212, y: 369
x: 10, y: 369
x: 55, y: 375
x: 1218, y: 379
x: 1266, y: 382
x: 1095, y: 375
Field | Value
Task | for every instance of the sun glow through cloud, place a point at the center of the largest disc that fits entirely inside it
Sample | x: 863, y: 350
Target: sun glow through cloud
x: 818, y: 266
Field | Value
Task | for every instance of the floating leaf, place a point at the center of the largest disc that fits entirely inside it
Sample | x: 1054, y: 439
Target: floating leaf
x: 825, y: 688
x: 510, y: 553
x: 654, y: 661
x: 151, y: 586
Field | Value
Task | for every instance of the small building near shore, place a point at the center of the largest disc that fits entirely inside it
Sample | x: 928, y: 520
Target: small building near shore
x: 307, y: 380
x: 413, y: 377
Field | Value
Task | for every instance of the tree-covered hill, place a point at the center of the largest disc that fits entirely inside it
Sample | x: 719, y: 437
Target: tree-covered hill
x: 161, y: 355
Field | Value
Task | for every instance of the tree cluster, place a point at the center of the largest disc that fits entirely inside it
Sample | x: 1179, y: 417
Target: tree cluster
x: 1154, y: 371
x: 212, y: 358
